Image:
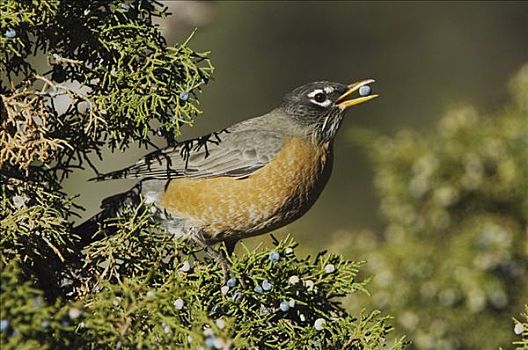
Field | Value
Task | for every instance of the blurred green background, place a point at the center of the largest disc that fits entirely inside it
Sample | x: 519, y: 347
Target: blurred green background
x: 426, y: 57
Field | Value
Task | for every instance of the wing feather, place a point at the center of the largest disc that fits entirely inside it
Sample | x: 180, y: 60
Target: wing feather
x: 235, y: 153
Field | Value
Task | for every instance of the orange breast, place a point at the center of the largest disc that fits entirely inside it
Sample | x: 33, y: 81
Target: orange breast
x: 271, y: 197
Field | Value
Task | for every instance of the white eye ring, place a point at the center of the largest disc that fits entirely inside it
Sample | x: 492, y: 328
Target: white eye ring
x: 314, y: 93
x: 325, y: 103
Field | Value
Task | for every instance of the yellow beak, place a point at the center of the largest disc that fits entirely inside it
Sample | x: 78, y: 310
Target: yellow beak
x: 344, y: 103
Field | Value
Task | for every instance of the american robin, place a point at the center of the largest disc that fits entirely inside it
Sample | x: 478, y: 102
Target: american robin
x: 249, y: 179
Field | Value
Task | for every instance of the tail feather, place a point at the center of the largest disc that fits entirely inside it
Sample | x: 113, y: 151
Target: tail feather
x: 87, y: 230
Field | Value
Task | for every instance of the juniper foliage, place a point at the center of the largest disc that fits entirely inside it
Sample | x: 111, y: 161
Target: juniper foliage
x: 521, y: 330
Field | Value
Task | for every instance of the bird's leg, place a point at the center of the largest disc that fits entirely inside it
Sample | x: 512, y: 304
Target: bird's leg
x: 230, y: 246
x: 217, y: 256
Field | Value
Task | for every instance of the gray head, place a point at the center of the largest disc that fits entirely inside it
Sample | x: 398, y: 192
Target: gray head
x: 321, y: 105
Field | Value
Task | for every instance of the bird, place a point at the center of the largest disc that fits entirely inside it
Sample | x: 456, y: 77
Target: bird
x: 248, y: 179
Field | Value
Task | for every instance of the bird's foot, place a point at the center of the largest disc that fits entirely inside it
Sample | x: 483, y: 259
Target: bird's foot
x: 220, y: 258
x: 225, y: 264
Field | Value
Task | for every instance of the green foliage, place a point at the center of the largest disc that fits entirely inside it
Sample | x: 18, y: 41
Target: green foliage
x: 152, y: 290
x: 34, y: 230
x: 27, y: 321
x: 521, y: 329
x: 131, y: 83
x: 455, y: 249
x: 134, y: 286
x: 139, y: 288
x: 185, y: 304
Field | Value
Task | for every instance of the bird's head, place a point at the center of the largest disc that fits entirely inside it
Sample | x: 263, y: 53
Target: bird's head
x: 320, y: 106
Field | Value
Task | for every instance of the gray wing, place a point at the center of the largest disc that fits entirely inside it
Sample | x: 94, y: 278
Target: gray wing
x: 234, y: 153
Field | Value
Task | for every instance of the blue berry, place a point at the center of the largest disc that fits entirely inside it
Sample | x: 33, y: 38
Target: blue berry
x: 125, y: 7
x: 3, y: 325
x: 365, y: 90
x: 36, y: 302
x: 10, y: 33
x: 224, y: 290
x: 320, y: 324
x: 274, y: 256
x: 236, y: 297
x: 258, y: 289
x: 210, y: 342
x: 184, y: 96
x: 266, y: 285
x: 59, y: 74
x: 231, y: 282
x: 284, y: 306
x: 217, y: 309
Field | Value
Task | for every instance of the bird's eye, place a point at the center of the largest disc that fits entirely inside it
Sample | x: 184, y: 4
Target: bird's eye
x: 320, y: 97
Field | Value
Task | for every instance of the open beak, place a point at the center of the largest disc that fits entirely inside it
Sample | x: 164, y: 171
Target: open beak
x: 344, y: 101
